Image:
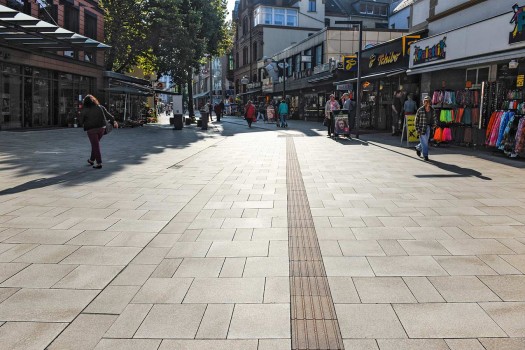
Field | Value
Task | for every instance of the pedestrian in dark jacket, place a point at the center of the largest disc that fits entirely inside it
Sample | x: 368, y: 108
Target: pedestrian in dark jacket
x: 425, y: 122
x: 93, y: 117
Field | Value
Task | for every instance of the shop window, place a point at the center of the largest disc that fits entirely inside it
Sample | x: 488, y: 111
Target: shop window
x: 312, y: 6
x: 90, y: 56
x: 318, y: 55
x: 308, y: 65
x: 297, y: 63
x: 477, y: 75
x: 289, y: 63
x: 90, y: 26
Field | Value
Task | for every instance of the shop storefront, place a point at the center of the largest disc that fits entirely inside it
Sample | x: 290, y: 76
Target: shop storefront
x: 477, y: 90
x: 38, y: 87
x: 383, y: 80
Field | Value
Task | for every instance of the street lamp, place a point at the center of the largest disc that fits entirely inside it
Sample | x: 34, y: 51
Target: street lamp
x: 283, y: 65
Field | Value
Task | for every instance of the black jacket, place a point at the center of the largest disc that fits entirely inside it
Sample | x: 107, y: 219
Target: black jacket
x: 93, y: 117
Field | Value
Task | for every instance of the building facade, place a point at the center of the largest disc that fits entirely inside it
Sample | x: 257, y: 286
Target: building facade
x: 51, y: 56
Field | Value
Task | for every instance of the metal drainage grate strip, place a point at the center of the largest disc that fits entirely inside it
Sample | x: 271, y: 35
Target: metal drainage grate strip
x: 313, y: 318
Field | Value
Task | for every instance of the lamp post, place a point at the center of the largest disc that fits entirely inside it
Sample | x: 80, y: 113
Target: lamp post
x: 283, y: 65
x: 358, y: 98
x: 211, y: 89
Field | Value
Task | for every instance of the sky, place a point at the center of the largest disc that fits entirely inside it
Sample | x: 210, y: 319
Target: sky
x: 231, y: 3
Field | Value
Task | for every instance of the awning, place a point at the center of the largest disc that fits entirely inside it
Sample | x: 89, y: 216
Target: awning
x: 166, y: 92
x: 128, y: 90
x: 202, y: 94
x: 21, y: 30
x: 321, y: 77
x: 373, y: 76
x: 473, y: 61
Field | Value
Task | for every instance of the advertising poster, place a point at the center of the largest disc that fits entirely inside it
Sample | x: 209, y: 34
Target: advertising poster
x: 341, y: 126
x: 409, y: 129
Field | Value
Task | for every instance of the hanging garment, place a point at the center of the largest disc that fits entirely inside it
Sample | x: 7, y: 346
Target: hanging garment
x: 493, y: 137
x: 467, y: 118
x: 509, y: 135
x: 503, y: 125
x: 446, y: 135
x: 474, y: 112
x: 438, y: 135
x: 490, y: 126
x: 520, y: 137
x: 467, y: 136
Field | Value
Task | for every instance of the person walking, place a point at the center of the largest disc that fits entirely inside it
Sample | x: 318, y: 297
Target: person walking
x: 93, y: 116
x: 283, y: 113
x: 221, y: 111
x: 260, y: 111
x: 249, y: 113
x: 331, y: 105
x: 425, y: 122
x: 410, y: 106
x: 397, y: 111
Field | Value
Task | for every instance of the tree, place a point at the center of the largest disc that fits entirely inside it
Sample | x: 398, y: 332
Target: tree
x: 127, y: 32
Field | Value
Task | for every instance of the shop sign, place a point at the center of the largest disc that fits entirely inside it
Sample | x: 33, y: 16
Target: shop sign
x: 518, y: 19
x: 344, y: 87
x: 409, y: 129
x: 255, y: 85
x: 383, y: 59
x: 520, y: 80
x: 430, y: 54
x: 349, y: 63
x: 267, y: 85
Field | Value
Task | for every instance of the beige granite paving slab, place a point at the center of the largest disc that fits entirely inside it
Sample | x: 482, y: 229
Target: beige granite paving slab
x: 134, y: 275
x: 233, y: 267
x: 199, y: 267
x: 361, y: 248
x: 508, y: 288
x: 167, y: 268
x: 277, y: 290
x: 423, y: 247
x: 226, y: 290
x: 375, y: 233
x: 510, y: 316
x: 112, y: 300
x: 128, y: 321
x: 127, y: 225
x: 272, y: 321
x: 45, y: 305
x: 464, y: 265
x: 38, y: 276
x: 457, y: 289
x: 88, y: 277
x: 164, y: 240
x: 464, y: 344
x: 444, y: 320
x: 189, y: 249
x: 518, y: 261
x: 28, y: 335
x: 216, y: 234
x: 7, y: 292
x: 172, y: 321
x: 343, y: 290
x: 169, y: 344
x: 377, y: 290
x: 95, y: 255
x: 216, y: 321
x: 368, y: 321
x: 93, y: 238
x: 406, y: 266
x: 131, y: 239
x: 43, y: 236
x: 492, y: 231
x: 163, y: 290
x: 83, y: 333
x: 475, y: 247
x: 412, y: 344
x: 128, y: 344
x: 499, y: 265
x: 47, y: 254
x: 238, y: 249
x: 347, y: 266
x: 360, y: 344
x: 266, y: 266
x: 9, y: 269
x: 503, y: 343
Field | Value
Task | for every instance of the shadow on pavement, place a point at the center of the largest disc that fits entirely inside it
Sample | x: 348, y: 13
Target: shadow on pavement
x: 457, y: 170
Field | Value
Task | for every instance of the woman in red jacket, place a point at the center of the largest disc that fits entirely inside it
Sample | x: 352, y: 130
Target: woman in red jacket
x: 249, y: 113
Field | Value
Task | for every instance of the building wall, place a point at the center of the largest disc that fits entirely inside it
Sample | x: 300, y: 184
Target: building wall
x: 277, y: 38
x: 400, y: 19
x: 311, y: 19
x: 420, y: 11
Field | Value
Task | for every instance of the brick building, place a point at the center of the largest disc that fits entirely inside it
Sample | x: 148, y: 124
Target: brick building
x: 51, y: 56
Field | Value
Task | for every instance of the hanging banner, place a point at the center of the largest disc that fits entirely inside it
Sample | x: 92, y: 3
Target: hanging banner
x: 409, y: 129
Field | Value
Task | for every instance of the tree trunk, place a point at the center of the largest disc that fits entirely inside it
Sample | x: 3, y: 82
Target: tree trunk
x: 191, y: 112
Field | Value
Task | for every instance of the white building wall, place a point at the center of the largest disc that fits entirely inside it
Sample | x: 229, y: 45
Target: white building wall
x: 311, y: 19
x: 400, y: 20
x: 278, y: 39
x: 420, y: 12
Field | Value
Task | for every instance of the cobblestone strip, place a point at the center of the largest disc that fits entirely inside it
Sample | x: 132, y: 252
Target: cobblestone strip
x: 313, y: 317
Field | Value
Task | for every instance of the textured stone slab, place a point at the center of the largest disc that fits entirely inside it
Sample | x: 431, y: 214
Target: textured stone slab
x: 83, y: 333
x: 266, y: 267
x: 170, y: 344
x: 216, y: 321
x: 510, y: 316
x: 9, y: 269
x: 347, y: 266
x: 163, y: 290
x: 38, y: 276
x: 375, y: 290
x: 43, y: 236
x: 463, y: 289
x: 439, y: 320
x: 47, y: 254
x: 368, y: 321
x: 28, y: 335
x: 133, y: 275
x: 172, y: 321
x: 272, y: 321
x: 189, y: 249
x: 112, y: 300
x: 128, y: 344
x: 88, y: 277
x: 102, y: 256
x: 406, y: 266
x: 226, y: 290
x: 128, y: 321
x: 45, y: 305
x: 464, y: 265
x: 508, y: 288
x: 199, y: 267
x: 412, y: 344
x: 238, y: 249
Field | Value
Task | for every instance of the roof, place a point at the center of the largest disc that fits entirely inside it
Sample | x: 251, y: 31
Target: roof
x: 402, y: 5
x: 21, y: 30
x: 349, y: 7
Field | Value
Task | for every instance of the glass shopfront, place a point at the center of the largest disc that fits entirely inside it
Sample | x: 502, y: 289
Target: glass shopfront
x: 34, y: 97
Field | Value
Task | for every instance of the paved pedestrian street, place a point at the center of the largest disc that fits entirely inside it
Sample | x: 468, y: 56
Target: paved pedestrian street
x: 262, y: 238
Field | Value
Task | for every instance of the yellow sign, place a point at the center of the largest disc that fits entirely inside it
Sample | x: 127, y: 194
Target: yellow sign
x: 411, y: 128
x: 349, y: 62
x: 520, y: 80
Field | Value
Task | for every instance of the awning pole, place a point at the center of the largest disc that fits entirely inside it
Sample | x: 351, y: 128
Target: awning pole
x: 125, y: 106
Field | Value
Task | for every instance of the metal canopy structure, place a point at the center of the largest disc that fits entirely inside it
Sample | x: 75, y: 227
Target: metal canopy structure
x: 21, y: 30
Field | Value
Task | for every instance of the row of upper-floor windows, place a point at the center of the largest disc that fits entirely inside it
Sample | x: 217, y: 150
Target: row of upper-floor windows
x: 373, y: 9
x: 276, y: 16
x: 48, y: 12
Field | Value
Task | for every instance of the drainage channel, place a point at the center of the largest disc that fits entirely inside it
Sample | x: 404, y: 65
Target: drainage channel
x: 313, y: 318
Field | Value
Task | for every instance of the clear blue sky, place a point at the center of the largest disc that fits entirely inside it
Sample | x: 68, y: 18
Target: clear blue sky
x: 231, y: 3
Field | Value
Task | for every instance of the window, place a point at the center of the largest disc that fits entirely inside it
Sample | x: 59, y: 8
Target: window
x: 230, y: 62
x: 278, y: 16
x: 254, y: 51
x: 20, y: 5
x: 312, y: 6
x: 318, y: 55
x: 297, y: 63
x: 374, y: 9
x: 308, y: 65
x: 90, y: 56
x: 477, y: 75
x: 245, y: 56
x: 327, y: 22
x: 289, y: 63
x: 47, y: 11
x: 245, y: 26
x: 71, y: 21
x: 90, y: 26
